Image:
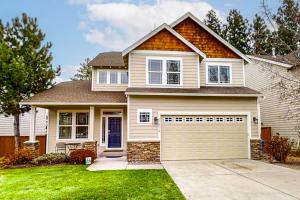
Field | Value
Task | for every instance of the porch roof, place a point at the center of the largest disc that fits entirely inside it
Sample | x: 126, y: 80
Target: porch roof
x: 76, y: 93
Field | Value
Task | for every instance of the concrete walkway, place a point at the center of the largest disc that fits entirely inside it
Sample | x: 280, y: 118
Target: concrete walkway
x: 234, y: 179
x: 121, y: 163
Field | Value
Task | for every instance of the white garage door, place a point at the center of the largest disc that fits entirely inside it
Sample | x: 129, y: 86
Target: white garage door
x: 203, y: 137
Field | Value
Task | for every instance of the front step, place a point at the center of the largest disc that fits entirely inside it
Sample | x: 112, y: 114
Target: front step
x: 112, y: 154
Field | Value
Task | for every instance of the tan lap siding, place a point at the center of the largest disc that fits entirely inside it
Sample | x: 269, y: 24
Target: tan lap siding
x: 192, y: 104
x: 138, y: 69
x: 237, y: 73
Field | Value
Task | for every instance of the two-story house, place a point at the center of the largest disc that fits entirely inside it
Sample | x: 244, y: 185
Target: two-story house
x: 178, y: 93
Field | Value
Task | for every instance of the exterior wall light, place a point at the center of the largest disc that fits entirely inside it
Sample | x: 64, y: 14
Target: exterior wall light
x: 255, y: 120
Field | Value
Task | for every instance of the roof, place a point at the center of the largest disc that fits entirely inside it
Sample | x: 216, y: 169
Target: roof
x: 289, y: 60
x: 157, y: 30
x: 190, y: 15
x: 76, y: 93
x: 202, y: 91
x: 108, y: 59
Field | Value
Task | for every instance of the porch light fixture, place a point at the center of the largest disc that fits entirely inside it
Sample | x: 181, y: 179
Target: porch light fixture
x: 155, y: 120
x: 255, y: 120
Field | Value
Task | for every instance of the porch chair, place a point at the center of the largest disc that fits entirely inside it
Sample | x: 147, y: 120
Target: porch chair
x: 60, y: 147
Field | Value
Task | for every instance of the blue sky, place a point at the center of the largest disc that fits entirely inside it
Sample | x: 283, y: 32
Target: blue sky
x: 83, y: 28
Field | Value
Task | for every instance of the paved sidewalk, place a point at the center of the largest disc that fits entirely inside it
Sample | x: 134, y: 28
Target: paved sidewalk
x: 121, y: 163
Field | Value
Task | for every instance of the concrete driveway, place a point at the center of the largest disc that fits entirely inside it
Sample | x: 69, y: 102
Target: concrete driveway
x: 234, y: 179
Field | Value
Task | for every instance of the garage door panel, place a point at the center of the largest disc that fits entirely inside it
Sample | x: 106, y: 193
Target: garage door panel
x: 203, y: 140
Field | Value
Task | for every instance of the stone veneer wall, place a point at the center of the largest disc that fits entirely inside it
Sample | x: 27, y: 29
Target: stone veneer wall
x: 34, y: 147
x: 255, y: 146
x: 143, y: 151
x: 91, y: 145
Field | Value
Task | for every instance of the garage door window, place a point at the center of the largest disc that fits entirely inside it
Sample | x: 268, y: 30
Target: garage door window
x: 168, y: 119
x: 229, y: 119
x: 144, y: 116
x: 209, y: 119
x: 238, y: 119
x: 199, y: 119
x: 219, y: 119
x: 178, y: 119
x: 188, y: 119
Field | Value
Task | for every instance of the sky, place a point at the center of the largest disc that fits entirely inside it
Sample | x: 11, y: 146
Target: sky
x: 83, y: 28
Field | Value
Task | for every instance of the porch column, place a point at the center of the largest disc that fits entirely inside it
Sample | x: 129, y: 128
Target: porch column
x: 32, y: 124
x: 91, y: 123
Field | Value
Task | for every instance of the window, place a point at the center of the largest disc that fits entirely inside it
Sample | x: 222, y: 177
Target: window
x: 229, y: 119
x: 144, y: 116
x: 164, y: 71
x: 112, y: 77
x: 218, y: 74
x: 168, y: 119
x: 73, y: 125
x: 188, y: 119
x: 209, y: 119
x: 219, y: 119
x: 178, y: 119
x: 103, y: 130
x: 199, y: 119
x: 239, y: 119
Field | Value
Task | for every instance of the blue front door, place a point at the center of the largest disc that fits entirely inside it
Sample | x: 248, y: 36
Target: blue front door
x: 114, y: 132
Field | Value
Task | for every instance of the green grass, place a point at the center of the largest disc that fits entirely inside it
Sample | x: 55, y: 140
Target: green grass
x: 75, y: 182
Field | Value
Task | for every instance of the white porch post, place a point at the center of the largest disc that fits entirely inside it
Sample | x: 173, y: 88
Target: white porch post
x: 32, y: 124
x: 91, y: 123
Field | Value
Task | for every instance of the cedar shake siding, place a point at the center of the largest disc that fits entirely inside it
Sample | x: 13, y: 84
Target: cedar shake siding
x: 164, y: 41
x: 207, y: 43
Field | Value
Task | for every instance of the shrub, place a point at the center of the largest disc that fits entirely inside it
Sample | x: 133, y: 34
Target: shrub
x: 78, y: 156
x: 50, y: 159
x: 21, y: 156
x: 296, y: 152
x: 278, y: 148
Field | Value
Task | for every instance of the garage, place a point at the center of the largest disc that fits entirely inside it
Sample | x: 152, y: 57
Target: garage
x: 203, y: 137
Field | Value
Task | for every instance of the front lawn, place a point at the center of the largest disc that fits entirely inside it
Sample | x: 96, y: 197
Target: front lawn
x: 75, y: 182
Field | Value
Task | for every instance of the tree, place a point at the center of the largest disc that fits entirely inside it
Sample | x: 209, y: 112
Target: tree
x: 288, y: 26
x: 25, y: 67
x: 237, y: 31
x: 213, y: 22
x: 261, y: 36
x: 84, y: 72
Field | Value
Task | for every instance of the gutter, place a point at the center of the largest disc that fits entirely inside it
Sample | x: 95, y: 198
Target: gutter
x: 192, y: 94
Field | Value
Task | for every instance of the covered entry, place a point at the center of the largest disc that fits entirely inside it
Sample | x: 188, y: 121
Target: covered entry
x: 189, y: 137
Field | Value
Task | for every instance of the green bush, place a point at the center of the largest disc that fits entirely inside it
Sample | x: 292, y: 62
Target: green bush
x: 50, y: 159
x: 278, y: 148
x: 78, y: 156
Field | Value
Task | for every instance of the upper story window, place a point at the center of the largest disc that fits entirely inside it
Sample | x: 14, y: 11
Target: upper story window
x: 112, y: 77
x: 164, y: 71
x: 218, y: 73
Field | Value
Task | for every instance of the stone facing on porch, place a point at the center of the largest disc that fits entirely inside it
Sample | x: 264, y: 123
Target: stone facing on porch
x: 90, y: 145
x: 255, y: 149
x: 143, y: 151
x: 34, y: 147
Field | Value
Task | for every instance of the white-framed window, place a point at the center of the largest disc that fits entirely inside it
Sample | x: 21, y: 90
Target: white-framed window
x: 189, y: 119
x: 217, y: 73
x: 178, y: 119
x: 239, y: 119
x: 209, y: 119
x: 112, y: 77
x: 219, y: 119
x: 199, y: 119
x: 144, y: 116
x: 229, y: 119
x: 168, y: 119
x: 73, y: 125
x: 164, y: 71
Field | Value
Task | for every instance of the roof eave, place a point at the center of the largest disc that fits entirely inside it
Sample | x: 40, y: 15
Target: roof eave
x: 68, y: 103
x: 191, y: 94
x: 288, y: 66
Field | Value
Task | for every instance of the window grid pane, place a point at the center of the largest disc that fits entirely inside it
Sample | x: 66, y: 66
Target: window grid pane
x: 213, y: 74
x: 144, y: 117
x: 224, y: 74
x: 124, y: 77
x: 103, y: 77
x: 82, y: 132
x: 65, y: 132
x: 65, y: 118
x: 113, y: 77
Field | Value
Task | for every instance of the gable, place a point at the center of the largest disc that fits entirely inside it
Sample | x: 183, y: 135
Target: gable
x: 203, y: 40
x: 164, y: 41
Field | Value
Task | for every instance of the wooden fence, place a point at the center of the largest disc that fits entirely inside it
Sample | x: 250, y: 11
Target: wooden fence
x: 7, y: 144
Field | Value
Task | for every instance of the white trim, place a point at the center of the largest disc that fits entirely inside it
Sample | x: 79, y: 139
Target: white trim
x: 248, y: 114
x: 68, y: 103
x: 258, y: 118
x: 219, y: 65
x: 32, y: 131
x: 271, y: 62
x: 164, y: 71
x: 191, y: 94
x: 157, y: 52
x: 157, y: 30
x: 144, y: 140
x: 91, y: 123
x: 73, y: 129
x: 106, y: 127
x: 188, y: 14
x: 128, y: 118
x: 129, y: 70
x: 138, y: 117
x: 223, y: 60
x: 47, y: 131
x: 92, y: 78
x: 244, y: 76
x: 198, y: 71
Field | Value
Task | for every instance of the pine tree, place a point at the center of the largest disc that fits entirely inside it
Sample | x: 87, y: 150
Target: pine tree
x: 288, y: 22
x: 84, y: 72
x: 25, y: 67
x: 213, y: 22
x: 261, y: 36
x: 237, y: 31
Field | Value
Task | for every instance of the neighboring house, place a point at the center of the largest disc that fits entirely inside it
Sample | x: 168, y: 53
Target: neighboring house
x: 7, y: 124
x: 178, y: 93
x: 262, y: 75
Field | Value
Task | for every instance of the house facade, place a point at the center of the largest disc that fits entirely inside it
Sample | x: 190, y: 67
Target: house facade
x: 178, y: 93
x: 263, y: 75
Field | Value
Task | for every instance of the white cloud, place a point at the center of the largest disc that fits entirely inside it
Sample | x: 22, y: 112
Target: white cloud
x: 116, y: 25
